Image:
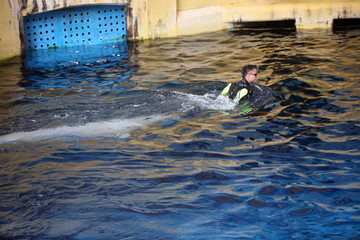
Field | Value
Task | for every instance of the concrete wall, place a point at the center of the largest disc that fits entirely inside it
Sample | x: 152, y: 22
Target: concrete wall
x: 9, y: 28
x: 167, y: 18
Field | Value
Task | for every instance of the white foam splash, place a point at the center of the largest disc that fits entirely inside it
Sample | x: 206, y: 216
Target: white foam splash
x: 113, y: 128
x: 208, y: 101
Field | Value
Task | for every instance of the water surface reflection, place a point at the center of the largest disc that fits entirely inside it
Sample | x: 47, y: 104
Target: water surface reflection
x: 139, y: 146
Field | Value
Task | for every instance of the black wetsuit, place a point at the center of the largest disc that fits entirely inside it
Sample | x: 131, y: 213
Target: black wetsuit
x: 232, y: 90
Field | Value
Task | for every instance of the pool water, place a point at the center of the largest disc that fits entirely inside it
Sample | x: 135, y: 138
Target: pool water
x: 132, y: 141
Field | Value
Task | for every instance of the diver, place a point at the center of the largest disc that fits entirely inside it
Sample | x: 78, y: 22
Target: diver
x: 244, y: 88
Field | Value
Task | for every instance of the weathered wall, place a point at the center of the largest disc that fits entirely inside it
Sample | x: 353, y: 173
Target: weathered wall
x: 161, y: 18
x: 152, y: 18
x: 212, y: 14
x: 167, y: 18
x: 37, y: 6
x: 9, y: 28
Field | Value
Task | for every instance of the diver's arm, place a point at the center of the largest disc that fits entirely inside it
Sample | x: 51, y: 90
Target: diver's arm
x: 240, y: 94
x: 225, y: 91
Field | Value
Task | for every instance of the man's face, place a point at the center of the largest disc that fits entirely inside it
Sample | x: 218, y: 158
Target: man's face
x: 251, y: 76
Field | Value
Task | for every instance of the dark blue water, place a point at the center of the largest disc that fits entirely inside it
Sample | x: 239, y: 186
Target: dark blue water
x: 132, y: 141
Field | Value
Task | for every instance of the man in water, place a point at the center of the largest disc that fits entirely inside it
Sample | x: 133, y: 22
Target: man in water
x: 243, y: 88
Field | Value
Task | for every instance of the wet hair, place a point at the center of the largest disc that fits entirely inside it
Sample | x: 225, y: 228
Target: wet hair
x: 247, y: 68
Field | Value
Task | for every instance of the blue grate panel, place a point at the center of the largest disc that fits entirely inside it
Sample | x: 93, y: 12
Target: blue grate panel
x: 75, y: 26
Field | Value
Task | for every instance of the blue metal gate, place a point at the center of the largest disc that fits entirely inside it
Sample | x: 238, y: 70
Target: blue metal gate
x: 75, y: 26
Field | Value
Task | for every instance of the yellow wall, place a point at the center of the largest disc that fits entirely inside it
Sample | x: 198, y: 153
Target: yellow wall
x: 9, y: 29
x: 167, y: 18
x: 152, y: 18
x: 160, y: 18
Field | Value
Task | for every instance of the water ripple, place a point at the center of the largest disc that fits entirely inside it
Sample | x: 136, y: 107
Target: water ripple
x: 137, y: 144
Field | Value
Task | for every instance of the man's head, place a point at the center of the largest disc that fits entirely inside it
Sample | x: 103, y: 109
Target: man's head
x: 249, y: 72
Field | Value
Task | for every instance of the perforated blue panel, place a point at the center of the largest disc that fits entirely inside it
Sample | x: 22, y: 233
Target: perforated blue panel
x: 75, y: 26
